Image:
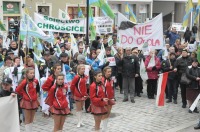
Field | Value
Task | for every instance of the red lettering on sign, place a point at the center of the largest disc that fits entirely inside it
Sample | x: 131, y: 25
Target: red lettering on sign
x: 148, y: 29
x: 124, y: 39
x: 143, y: 30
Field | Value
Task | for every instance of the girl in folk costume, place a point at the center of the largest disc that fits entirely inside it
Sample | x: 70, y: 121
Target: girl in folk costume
x: 58, y: 102
x: 79, y: 91
x: 51, y: 80
x: 98, y: 98
x: 109, y: 92
x: 28, y: 89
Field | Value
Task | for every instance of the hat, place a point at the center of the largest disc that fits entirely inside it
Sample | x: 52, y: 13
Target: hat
x: 81, y: 58
x: 7, y: 80
x: 46, y: 53
x: 10, y: 52
x: 62, y: 45
x: 7, y: 58
x: 63, y: 55
x: 128, y: 48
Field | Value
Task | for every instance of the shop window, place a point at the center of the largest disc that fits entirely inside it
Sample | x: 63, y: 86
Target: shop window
x: 73, y: 11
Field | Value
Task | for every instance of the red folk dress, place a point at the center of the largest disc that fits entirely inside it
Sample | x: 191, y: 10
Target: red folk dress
x: 27, y: 89
x: 78, y: 87
x: 58, y: 100
x: 97, y: 93
x: 109, y: 90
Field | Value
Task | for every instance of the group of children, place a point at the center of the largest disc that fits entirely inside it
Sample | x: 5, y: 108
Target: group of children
x: 101, y: 94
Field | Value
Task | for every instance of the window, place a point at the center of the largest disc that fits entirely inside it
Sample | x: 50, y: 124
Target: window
x: 43, y: 10
x: 73, y: 11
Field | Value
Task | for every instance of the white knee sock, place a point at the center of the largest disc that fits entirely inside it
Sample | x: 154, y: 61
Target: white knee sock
x: 105, y: 125
x: 28, y: 127
x: 31, y: 127
x: 78, y: 113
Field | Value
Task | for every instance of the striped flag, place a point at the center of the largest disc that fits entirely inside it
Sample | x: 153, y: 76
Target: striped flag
x: 195, y: 18
x: 130, y: 13
x: 188, y: 9
x: 103, y: 5
x: 80, y: 13
x: 162, y: 81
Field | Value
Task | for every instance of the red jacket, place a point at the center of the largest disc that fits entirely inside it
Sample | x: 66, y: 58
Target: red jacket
x: 152, y: 74
x: 78, y: 86
x: 48, y: 83
x: 28, y: 90
x: 109, y: 90
x: 57, y: 97
x: 97, y: 94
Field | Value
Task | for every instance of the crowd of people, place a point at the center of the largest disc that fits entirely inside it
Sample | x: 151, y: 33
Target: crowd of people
x: 92, y: 82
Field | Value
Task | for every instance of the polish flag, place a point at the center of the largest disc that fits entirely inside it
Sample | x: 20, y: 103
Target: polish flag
x: 162, y: 81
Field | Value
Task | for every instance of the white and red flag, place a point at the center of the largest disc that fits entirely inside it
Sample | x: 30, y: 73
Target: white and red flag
x: 162, y: 81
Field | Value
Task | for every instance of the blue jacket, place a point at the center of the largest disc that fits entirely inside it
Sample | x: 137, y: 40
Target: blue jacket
x: 93, y: 63
x: 172, y: 37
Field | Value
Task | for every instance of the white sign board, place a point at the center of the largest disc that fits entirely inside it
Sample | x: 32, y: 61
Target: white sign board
x: 179, y: 27
x: 47, y: 23
x: 104, y: 24
x: 111, y: 60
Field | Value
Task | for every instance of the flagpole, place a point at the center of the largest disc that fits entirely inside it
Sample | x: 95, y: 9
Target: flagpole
x: 191, y: 20
x: 87, y: 24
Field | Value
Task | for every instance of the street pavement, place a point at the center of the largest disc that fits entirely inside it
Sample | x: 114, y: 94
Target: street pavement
x: 142, y: 116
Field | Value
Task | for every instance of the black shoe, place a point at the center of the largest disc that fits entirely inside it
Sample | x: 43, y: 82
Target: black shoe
x: 125, y: 100
x: 141, y: 92
x: 132, y: 101
x: 196, y: 110
x: 168, y: 101
x: 138, y: 95
x: 183, y: 106
x: 175, y: 101
x: 152, y: 97
x: 189, y: 111
x: 149, y: 97
x: 197, y: 127
x: 121, y: 92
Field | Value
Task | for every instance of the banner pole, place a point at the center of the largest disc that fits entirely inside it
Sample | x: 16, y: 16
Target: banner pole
x: 87, y: 24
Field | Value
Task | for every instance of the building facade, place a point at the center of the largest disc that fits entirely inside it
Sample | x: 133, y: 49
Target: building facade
x: 172, y: 10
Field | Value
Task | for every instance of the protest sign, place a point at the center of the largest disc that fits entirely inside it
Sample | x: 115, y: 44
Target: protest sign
x: 192, y: 47
x: 48, y: 23
x: 104, y: 24
x: 179, y: 27
x: 9, y: 117
x: 111, y: 60
x: 132, y: 35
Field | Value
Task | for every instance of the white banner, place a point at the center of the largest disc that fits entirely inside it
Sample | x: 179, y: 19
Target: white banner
x: 9, y: 117
x: 132, y: 35
x: 104, y: 24
x: 47, y: 23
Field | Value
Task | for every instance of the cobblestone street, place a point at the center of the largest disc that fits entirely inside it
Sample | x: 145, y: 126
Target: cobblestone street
x: 143, y: 116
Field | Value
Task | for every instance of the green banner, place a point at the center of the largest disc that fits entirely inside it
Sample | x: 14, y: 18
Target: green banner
x: 11, y: 7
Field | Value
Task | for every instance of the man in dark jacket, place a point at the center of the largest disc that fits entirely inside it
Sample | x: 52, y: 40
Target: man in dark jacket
x: 187, y: 35
x: 130, y: 70
x: 180, y: 67
x: 194, y: 30
x: 14, y: 48
x: 168, y: 66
